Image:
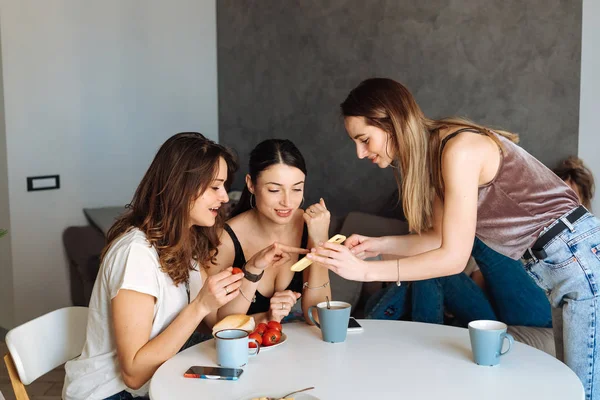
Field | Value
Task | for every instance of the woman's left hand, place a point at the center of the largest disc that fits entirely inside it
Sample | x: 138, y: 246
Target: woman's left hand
x: 317, y: 219
x: 340, y: 260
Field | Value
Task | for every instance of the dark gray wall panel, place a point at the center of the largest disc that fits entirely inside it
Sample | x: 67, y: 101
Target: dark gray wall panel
x: 284, y: 67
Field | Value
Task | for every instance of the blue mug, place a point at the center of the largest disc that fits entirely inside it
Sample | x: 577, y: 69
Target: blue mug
x: 487, y: 340
x: 232, y: 348
x: 333, y: 321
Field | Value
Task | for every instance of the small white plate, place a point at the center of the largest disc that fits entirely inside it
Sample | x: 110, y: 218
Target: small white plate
x: 299, y: 396
x: 282, y: 341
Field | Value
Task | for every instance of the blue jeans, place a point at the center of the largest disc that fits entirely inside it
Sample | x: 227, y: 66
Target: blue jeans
x: 514, y: 297
x: 569, y: 274
x: 124, y: 395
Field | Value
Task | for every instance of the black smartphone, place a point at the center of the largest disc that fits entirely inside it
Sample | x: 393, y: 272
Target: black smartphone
x: 228, y: 374
x: 354, y: 326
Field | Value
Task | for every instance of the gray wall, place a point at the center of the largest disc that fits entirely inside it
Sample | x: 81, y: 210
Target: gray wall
x: 284, y: 67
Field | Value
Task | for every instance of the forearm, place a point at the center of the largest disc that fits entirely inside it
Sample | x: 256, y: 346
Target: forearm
x: 411, y: 245
x: 317, y: 290
x: 431, y: 264
x: 241, y: 303
x: 139, y: 369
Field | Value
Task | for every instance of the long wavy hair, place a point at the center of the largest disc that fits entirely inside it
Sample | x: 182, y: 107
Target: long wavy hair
x: 573, y: 169
x: 266, y: 154
x: 415, y: 140
x: 181, y: 171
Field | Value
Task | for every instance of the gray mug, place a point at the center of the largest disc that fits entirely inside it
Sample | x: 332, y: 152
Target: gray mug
x: 333, y: 322
x: 487, y: 338
x: 232, y: 348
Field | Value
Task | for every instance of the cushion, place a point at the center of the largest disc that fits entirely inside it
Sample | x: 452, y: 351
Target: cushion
x: 540, y: 338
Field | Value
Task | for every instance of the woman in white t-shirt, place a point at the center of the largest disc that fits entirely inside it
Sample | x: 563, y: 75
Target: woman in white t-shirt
x: 149, y: 295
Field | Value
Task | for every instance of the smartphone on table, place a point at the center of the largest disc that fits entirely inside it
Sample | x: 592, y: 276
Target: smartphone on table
x: 228, y: 374
x: 354, y: 326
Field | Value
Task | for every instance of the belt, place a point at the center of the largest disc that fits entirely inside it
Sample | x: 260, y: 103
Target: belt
x: 537, y: 250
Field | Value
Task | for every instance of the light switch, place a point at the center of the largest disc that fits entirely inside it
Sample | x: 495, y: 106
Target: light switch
x: 46, y: 182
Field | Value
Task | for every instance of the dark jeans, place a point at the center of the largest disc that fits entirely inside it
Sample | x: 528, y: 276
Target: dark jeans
x: 514, y: 298
x: 196, y: 338
x: 124, y: 395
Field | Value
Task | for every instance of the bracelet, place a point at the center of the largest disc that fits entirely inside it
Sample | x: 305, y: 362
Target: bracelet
x: 252, y: 277
x: 305, y: 286
x: 244, y: 296
x: 398, y: 283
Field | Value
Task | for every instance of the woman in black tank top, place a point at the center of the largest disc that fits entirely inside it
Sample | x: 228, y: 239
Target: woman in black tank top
x: 269, y: 211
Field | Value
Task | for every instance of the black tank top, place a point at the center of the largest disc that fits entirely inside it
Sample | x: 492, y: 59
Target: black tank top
x: 263, y: 303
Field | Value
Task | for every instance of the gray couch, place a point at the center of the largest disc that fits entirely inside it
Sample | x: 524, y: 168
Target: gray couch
x: 84, y: 244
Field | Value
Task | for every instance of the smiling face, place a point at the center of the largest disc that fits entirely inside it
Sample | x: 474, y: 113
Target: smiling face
x: 278, y: 192
x: 205, y: 208
x: 371, y: 142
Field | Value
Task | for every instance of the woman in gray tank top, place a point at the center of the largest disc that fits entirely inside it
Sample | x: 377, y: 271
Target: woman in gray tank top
x: 460, y: 180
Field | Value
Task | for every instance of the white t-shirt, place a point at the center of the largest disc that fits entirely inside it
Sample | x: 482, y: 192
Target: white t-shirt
x: 131, y: 263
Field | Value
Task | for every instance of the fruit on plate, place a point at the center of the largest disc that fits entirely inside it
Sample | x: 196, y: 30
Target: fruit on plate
x: 269, y: 333
x: 257, y: 337
x: 235, y: 321
x: 275, y: 325
x: 261, y: 328
x: 271, y: 337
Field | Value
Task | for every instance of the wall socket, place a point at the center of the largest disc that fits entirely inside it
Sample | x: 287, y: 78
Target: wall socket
x: 45, y: 182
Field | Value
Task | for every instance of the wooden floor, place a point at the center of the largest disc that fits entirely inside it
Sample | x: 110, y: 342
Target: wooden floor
x: 47, y: 387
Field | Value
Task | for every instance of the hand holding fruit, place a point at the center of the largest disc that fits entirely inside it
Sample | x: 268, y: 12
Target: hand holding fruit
x: 218, y: 290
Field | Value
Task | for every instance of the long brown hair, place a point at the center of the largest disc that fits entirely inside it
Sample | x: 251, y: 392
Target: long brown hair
x: 415, y: 139
x: 572, y: 169
x: 181, y: 171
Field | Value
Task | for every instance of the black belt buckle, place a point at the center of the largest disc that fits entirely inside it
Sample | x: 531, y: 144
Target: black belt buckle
x: 532, y: 254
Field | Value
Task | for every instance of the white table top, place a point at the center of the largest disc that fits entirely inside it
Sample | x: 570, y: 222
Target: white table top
x: 409, y: 359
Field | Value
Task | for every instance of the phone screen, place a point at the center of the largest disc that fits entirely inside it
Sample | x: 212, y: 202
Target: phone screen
x: 231, y: 374
x: 352, y: 323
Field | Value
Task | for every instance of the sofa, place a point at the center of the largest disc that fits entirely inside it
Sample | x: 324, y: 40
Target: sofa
x: 83, y: 245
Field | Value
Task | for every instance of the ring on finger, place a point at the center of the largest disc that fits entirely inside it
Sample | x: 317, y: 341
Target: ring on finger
x: 283, y: 306
x: 226, y: 290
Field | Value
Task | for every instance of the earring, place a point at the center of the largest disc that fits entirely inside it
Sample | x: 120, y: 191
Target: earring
x: 251, y: 198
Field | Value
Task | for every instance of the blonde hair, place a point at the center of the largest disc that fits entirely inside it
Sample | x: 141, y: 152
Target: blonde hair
x: 388, y: 105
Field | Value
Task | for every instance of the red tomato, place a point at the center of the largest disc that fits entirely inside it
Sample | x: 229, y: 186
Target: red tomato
x: 261, y: 328
x: 275, y: 325
x: 271, y: 337
x: 237, y: 270
x: 255, y: 335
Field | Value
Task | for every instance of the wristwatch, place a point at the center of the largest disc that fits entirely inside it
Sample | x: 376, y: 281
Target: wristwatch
x: 252, y: 277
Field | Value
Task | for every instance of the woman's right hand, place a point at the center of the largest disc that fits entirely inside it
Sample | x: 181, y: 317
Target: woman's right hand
x: 364, y: 246
x: 218, y: 290
x: 274, y: 255
x: 281, y: 304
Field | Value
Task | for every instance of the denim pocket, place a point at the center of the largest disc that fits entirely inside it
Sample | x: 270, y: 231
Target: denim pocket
x: 559, y: 256
x: 572, y: 238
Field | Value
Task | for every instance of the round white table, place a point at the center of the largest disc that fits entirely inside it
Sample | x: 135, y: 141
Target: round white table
x: 408, y: 359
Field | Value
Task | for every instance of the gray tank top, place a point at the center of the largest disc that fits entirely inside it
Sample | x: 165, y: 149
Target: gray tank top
x: 523, y: 198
